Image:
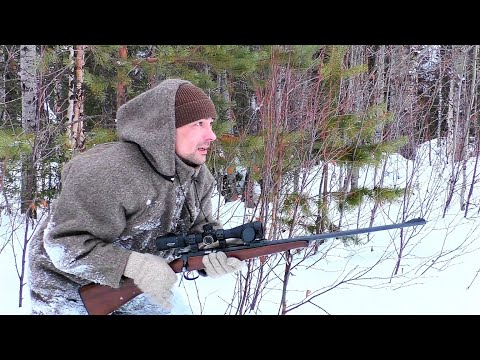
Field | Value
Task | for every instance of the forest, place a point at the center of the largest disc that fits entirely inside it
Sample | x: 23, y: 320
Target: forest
x: 298, y: 129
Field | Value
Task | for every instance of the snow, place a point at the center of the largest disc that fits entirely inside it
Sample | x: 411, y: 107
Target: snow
x: 437, y: 263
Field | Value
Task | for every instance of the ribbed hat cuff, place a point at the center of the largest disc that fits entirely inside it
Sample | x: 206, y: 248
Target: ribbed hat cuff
x: 194, y: 111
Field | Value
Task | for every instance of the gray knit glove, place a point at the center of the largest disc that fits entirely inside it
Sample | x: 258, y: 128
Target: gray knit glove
x: 153, y: 276
x: 218, y: 264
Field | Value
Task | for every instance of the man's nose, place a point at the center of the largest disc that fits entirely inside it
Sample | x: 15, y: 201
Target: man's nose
x: 210, y: 136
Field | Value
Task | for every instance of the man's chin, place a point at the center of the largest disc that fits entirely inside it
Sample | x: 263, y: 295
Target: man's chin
x: 197, y: 161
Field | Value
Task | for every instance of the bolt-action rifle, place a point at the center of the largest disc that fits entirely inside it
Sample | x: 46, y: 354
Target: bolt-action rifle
x: 102, y: 300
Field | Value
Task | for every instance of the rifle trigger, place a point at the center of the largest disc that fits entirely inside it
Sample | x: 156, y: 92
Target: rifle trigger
x: 186, y: 272
x: 185, y: 263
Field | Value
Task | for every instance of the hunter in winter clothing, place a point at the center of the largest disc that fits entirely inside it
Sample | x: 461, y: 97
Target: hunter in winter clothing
x: 117, y: 198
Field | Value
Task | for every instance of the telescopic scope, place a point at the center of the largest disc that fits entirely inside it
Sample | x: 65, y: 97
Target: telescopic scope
x: 248, y: 233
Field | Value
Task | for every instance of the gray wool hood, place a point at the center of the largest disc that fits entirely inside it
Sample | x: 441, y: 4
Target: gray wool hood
x: 146, y: 119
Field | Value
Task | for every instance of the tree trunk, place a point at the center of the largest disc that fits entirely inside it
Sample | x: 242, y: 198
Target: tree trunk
x: 28, y: 79
x: 3, y: 115
x: 29, y: 88
x: 3, y: 66
x: 470, y: 108
x: 75, y: 129
x: 378, y: 98
x: 122, y: 74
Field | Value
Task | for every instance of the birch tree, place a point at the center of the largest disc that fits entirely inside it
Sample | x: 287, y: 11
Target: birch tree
x: 3, y: 67
x: 472, y: 114
x: 28, y: 79
x: 75, y: 121
x: 457, y: 124
x: 470, y: 108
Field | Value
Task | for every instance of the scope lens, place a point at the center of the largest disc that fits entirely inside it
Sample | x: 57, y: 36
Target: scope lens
x: 248, y: 234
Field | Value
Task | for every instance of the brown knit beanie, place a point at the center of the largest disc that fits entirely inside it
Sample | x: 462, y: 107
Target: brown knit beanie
x: 192, y: 104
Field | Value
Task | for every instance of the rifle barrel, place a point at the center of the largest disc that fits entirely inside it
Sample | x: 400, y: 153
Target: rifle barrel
x: 338, y: 234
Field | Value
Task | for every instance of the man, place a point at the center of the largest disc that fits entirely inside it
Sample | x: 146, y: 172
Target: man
x: 117, y: 198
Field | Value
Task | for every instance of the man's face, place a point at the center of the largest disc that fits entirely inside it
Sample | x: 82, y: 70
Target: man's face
x: 193, y: 140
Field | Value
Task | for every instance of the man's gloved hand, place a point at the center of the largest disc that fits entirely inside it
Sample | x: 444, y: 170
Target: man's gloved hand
x: 218, y: 264
x: 153, y: 276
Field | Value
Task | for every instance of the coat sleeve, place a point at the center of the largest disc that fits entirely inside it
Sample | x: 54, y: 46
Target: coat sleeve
x: 86, y: 218
x: 205, y: 214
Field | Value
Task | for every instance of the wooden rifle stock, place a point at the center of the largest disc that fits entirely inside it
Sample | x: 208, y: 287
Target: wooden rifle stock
x: 102, y: 299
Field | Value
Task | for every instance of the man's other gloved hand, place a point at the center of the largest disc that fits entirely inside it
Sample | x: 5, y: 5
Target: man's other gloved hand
x: 218, y: 264
x: 153, y: 276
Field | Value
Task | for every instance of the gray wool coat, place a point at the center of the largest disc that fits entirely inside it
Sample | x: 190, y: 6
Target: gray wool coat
x: 117, y: 198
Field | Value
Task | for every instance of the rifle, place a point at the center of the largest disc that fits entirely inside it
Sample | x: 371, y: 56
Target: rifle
x: 102, y: 300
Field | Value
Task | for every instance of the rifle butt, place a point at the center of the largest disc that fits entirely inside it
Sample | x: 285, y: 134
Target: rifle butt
x: 102, y: 299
